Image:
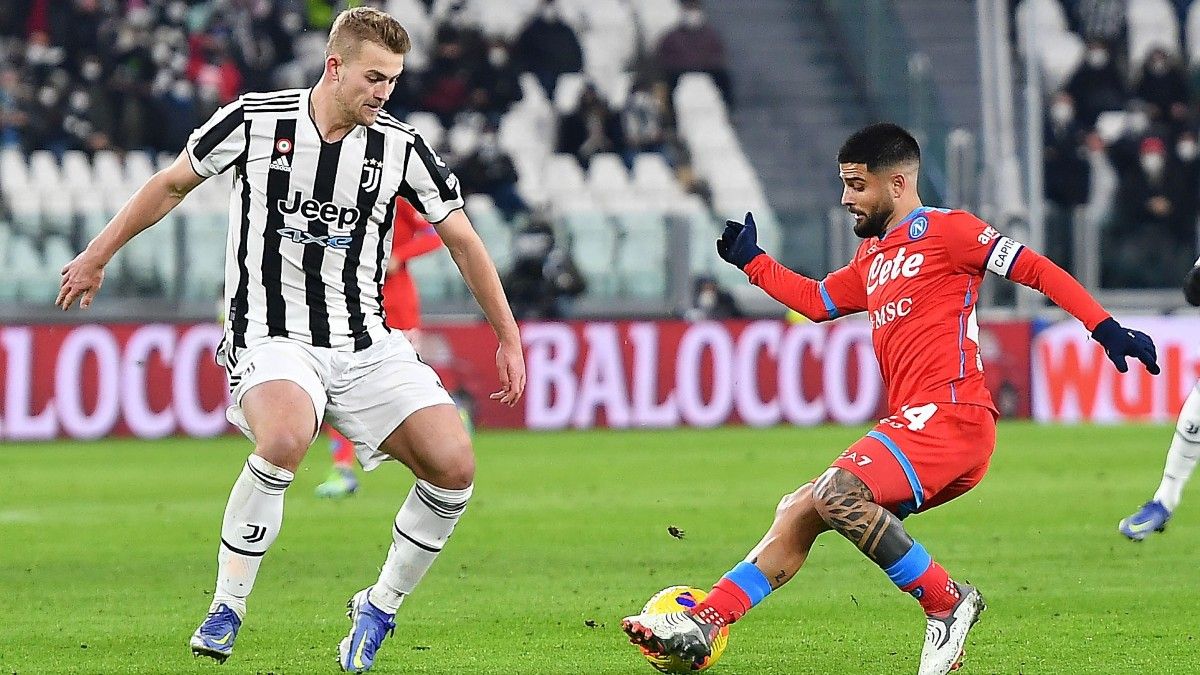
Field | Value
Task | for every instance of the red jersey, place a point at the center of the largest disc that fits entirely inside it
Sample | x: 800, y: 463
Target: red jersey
x: 412, y: 236
x: 919, y: 283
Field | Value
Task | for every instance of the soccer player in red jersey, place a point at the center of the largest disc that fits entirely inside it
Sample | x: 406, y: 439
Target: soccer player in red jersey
x: 412, y: 236
x: 917, y: 275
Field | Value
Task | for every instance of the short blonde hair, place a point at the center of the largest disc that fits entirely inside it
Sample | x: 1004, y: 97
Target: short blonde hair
x: 355, y: 26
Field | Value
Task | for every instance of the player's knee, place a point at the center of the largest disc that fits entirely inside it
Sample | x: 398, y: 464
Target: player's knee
x: 795, y: 504
x: 829, y: 493
x: 457, y: 470
x: 283, y: 448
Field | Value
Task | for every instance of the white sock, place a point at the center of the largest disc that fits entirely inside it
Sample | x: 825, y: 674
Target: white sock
x: 252, y: 519
x: 1185, y: 450
x: 422, y: 527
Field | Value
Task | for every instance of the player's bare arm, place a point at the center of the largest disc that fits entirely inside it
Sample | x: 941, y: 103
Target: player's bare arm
x: 847, y: 505
x: 479, y: 273
x: 82, y: 277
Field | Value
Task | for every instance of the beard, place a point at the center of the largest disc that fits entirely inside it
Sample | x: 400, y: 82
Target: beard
x: 873, y: 223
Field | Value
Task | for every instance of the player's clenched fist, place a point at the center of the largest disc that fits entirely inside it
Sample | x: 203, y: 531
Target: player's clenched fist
x: 738, y: 244
x: 80, y: 277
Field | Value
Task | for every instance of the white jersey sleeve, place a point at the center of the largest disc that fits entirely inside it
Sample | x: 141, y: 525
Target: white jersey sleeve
x: 428, y: 184
x: 217, y: 144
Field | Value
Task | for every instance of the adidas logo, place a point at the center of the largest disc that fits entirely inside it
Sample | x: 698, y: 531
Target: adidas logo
x: 281, y: 164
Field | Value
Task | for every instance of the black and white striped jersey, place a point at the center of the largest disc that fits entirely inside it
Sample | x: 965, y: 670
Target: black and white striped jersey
x: 311, y: 222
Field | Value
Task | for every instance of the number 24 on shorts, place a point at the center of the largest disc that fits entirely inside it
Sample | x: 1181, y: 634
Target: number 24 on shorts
x: 917, y: 416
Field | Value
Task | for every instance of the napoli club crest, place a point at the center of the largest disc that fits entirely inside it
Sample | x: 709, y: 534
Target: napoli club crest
x: 916, y: 229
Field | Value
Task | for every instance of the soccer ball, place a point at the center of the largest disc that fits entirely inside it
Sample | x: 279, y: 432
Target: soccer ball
x: 676, y: 599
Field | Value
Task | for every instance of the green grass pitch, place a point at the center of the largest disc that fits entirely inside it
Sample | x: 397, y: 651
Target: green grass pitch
x: 107, y: 554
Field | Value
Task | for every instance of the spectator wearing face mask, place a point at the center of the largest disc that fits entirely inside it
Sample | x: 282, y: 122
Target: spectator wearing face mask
x: 646, y: 120
x: 14, y: 116
x: 1101, y: 20
x: 544, y: 279
x: 711, y: 302
x: 1153, y: 188
x: 1187, y: 158
x: 1066, y: 169
x: 489, y: 170
x: 1067, y: 176
x: 548, y: 47
x: 1151, y: 236
x: 1096, y: 86
x: 495, y: 85
x: 1163, y: 86
x: 593, y: 128
x: 695, y: 46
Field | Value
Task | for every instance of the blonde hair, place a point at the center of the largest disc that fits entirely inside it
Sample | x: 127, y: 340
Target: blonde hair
x: 355, y: 26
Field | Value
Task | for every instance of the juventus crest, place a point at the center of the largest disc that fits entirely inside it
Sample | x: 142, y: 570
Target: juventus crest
x: 372, y: 172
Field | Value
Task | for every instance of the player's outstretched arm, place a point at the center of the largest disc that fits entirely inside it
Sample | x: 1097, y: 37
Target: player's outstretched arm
x: 479, y: 273
x: 82, y: 277
x: 838, y: 294
x: 1032, y: 269
x: 1191, y: 285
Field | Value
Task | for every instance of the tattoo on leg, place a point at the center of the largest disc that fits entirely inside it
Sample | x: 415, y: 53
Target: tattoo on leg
x: 848, y: 506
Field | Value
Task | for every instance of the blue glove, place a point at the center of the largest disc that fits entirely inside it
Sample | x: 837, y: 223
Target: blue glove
x: 1119, y: 342
x: 738, y: 244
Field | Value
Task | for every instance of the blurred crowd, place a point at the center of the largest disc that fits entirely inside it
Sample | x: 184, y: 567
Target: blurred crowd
x: 92, y: 75
x: 1122, y: 131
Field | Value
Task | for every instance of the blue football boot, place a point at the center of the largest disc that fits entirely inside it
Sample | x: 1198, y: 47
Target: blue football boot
x: 369, y: 625
x: 1152, y: 517
x: 214, y: 638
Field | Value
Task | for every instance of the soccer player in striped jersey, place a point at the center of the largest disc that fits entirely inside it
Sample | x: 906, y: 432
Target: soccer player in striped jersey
x: 315, y: 176
x: 916, y: 275
x: 1182, y: 455
x: 412, y: 236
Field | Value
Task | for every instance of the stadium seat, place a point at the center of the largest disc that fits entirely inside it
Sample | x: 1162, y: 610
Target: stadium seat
x: 463, y: 139
x: 609, y: 182
x: 564, y: 176
x: 652, y: 173
x: 429, y: 126
x: 567, y: 91
x: 204, y: 247
x: 1047, y: 17
x: 8, y: 280
x: 593, y: 245
x: 36, y: 278
x: 503, y: 19
x: 139, y: 166
x: 1060, y: 58
x: 495, y: 232
x: 431, y: 274
x: 641, y: 265
x: 654, y: 19
x: 26, y: 210
x: 1192, y: 31
x: 1151, y: 24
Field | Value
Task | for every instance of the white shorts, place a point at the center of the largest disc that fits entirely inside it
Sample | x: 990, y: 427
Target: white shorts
x: 365, y: 395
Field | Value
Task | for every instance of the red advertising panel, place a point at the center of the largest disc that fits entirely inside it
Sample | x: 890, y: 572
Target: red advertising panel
x: 91, y: 381
x: 1073, y: 381
x: 149, y: 381
x: 673, y: 373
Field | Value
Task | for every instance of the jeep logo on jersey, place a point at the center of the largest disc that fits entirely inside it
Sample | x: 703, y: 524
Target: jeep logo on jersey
x: 326, y: 212
x: 917, y: 228
x: 884, y: 270
x: 302, y: 237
